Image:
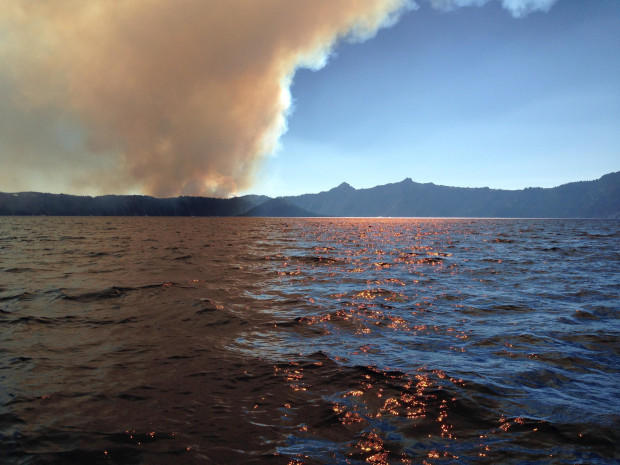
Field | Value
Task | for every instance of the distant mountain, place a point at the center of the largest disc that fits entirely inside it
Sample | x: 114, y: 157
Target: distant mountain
x: 278, y: 207
x: 586, y: 199
x: 33, y: 203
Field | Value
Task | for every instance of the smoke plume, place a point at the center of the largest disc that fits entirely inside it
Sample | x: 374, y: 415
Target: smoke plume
x: 163, y: 97
x: 518, y: 8
x: 158, y: 96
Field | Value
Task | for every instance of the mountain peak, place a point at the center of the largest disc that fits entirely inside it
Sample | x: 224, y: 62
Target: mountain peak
x: 344, y: 187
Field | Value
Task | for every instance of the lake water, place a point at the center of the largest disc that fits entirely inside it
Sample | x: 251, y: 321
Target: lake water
x: 309, y: 341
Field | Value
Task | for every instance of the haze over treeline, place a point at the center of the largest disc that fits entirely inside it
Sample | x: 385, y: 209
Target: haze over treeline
x: 586, y: 199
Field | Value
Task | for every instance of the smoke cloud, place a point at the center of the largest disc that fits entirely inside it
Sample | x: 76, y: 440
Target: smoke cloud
x: 164, y: 97
x: 518, y: 8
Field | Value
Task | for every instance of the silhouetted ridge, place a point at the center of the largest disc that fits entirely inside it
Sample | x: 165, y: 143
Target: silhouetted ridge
x: 278, y: 207
x: 32, y: 203
x: 343, y: 187
x: 587, y: 199
x: 584, y: 199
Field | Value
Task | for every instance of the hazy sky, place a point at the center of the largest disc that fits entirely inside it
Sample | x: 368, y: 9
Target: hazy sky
x: 470, y: 97
x: 211, y: 97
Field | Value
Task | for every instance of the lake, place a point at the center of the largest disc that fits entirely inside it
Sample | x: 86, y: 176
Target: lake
x: 309, y: 341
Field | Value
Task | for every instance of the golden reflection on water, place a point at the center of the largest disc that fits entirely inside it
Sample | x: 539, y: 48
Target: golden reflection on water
x: 380, y: 394
x: 368, y: 286
x: 398, y: 395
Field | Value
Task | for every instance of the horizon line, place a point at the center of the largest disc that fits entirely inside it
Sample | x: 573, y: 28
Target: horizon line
x: 309, y: 193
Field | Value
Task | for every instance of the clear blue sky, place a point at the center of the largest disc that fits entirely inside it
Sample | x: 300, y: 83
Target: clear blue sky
x: 471, y: 97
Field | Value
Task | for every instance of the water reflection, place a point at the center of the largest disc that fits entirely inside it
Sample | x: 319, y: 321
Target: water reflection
x: 425, y: 308
x: 308, y: 341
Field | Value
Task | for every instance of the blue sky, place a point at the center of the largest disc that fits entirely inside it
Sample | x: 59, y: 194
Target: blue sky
x: 470, y: 97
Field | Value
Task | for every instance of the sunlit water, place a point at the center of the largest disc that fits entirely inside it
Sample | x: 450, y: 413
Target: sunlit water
x: 309, y: 341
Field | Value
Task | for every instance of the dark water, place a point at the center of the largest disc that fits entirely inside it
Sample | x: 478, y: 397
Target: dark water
x: 285, y: 341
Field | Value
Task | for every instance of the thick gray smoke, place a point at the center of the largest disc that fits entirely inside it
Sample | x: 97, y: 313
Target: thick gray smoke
x: 158, y: 96
x: 163, y: 97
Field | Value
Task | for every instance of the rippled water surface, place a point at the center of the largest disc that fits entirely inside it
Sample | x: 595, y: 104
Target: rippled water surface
x: 309, y: 341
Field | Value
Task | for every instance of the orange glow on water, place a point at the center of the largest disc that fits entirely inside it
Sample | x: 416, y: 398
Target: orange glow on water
x: 321, y: 326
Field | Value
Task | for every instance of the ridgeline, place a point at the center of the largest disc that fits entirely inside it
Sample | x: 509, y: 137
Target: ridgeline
x: 585, y: 199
